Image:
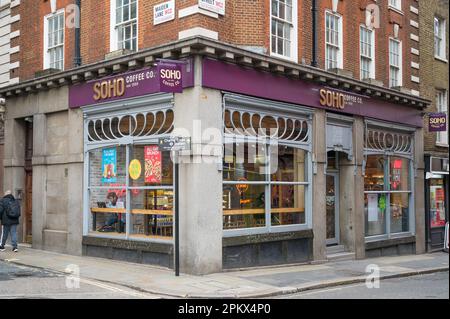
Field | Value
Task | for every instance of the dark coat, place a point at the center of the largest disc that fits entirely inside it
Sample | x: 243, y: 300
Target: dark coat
x: 4, y: 202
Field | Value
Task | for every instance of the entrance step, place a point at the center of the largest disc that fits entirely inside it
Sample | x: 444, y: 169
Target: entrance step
x: 335, y: 249
x: 341, y: 256
x: 338, y: 253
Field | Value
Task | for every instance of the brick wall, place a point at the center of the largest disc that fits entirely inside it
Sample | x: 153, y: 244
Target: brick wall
x: 246, y: 23
x: 32, y: 37
x: 433, y: 72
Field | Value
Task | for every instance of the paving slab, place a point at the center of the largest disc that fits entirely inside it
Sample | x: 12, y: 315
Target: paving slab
x: 253, y: 283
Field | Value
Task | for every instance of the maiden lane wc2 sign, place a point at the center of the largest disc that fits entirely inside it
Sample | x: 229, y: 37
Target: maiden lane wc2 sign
x: 166, y: 77
x: 164, y: 12
x: 217, y: 6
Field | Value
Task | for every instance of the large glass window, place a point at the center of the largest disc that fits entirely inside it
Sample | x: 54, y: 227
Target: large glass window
x: 437, y: 202
x: 283, y: 27
x: 387, y: 185
x: 264, y: 186
x: 55, y: 41
x: 148, y: 189
x: 333, y: 41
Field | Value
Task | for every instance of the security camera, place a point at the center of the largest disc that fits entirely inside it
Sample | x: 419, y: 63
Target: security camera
x: 2, y: 101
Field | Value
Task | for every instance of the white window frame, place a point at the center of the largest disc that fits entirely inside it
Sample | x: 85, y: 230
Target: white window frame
x: 400, y: 62
x: 293, y: 36
x: 113, y: 36
x: 46, y: 62
x: 340, y: 46
x: 396, y: 4
x: 372, y: 69
x: 441, y: 52
x: 442, y: 107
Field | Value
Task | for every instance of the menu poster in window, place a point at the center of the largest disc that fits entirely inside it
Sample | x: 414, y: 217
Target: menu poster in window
x: 153, y: 164
x: 373, y: 207
x: 109, y: 165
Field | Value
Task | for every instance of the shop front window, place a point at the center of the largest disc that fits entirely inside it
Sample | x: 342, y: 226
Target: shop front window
x: 107, y: 191
x: 252, y: 179
x: 437, y: 203
x: 387, y: 185
x: 149, y: 189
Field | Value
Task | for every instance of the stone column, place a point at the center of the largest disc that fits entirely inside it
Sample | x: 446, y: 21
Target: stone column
x: 419, y: 192
x: 39, y: 202
x: 75, y: 182
x: 358, y: 188
x: 14, y: 161
x: 319, y: 186
x: 347, y: 202
x: 201, y: 227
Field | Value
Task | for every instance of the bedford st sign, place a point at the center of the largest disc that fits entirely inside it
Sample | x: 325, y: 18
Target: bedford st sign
x: 168, y: 77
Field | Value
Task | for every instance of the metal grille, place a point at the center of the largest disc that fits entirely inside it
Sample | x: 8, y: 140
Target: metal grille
x: 388, y: 141
x: 140, y: 124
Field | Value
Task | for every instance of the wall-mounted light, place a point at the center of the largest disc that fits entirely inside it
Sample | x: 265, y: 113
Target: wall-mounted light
x: 29, y: 119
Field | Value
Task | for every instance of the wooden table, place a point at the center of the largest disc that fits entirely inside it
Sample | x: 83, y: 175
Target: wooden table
x: 96, y: 211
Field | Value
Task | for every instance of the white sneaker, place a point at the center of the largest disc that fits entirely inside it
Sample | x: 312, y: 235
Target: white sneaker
x: 15, y: 250
x: 2, y: 248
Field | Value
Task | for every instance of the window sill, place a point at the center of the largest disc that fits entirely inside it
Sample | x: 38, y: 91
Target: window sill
x: 441, y: 59
x: 282, y: 57
x: 398, y: 10
x: 442, y: 145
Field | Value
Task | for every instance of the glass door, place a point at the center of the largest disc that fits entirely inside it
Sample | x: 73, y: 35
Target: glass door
x: 332, y: 207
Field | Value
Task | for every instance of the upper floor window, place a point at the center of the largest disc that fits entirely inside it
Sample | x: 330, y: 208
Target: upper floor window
x: 397, y: 4
x: 395, y: 63
x: 367, y: 51
x: 442, y: 107
x: 333, y: 41
x: 54, y: 41
x: 439, y: 38
x: 283, y: 28
x: 125, y: 25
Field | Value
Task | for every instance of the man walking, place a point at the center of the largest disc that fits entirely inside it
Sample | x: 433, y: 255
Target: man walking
x: 9, y: 216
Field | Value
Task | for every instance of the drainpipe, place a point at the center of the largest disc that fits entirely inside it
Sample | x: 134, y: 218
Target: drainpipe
x: 77, y: 56
x: 314, y: 62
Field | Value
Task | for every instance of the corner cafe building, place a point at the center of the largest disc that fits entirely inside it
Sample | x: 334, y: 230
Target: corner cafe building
x: 338, y: 165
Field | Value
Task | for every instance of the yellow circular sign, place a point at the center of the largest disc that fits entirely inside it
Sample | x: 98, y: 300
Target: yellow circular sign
x: 135, y: 169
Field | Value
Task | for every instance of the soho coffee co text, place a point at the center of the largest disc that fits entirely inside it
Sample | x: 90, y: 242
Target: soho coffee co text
x: 116, y: 88
x: 337, y: 100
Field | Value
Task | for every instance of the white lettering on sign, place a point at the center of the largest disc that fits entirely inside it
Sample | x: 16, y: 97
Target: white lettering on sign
x: 164, y: 12
x: 217, y: 6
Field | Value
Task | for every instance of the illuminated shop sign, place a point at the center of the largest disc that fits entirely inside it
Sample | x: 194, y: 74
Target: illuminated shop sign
x: 437, y: 122
x: 167, y: 76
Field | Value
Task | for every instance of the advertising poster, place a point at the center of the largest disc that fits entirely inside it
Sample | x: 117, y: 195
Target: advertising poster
x: 135, y: 169
x: 109, y: 165
x: 373, y: 207
x: 153, y: 164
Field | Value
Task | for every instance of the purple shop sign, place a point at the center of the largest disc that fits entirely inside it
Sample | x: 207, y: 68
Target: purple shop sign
x: 166, y: 77
x: 437, y: 122
x: 238, y: 79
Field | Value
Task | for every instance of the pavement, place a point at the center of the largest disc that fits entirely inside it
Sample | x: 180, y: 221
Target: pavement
x: 249, y: 283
